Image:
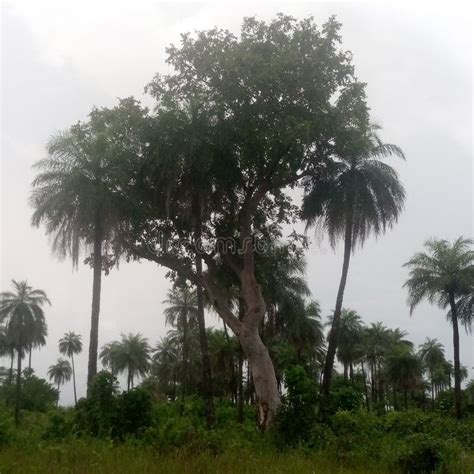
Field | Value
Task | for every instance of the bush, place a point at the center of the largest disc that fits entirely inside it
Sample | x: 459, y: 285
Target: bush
x: 95, y: 415
x: 134, y: 413
x: 59, y: 425
x: 422, y: 454
x: 36, y: 394
x: 298, y: 411
x: 6, y: 426
x: 345, y: 398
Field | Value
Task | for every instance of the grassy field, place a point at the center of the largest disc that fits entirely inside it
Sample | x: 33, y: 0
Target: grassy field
x: 96, y: 456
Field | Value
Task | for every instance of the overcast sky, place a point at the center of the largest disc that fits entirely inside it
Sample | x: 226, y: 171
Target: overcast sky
x: 61, y: 58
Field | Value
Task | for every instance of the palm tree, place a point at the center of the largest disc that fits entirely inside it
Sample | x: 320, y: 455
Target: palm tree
x: 70, y: 344
x: 40, y: 331
x: 444, y: 274
x: 358, y: 195
x: 182, y: 313
x: 432, y: 355
x: 165, y: 365
x: 20, y: 312
x: 130, y: 354
x: 349, y: 340
x: 60, y: 373
x: 404, y: 371
x: 73, y: 197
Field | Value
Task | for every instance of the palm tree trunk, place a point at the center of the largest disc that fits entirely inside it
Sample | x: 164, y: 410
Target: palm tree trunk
x: 365, y: 386
x: 96, y: 288
x: 240, y: 409
x: 206, y: 359
x: 457, y: 363
x: 74, y: 378
x: 334, y: 333
x: 57, y: 401
x: 432, y: 392
x: 30, y: 350
x: 351, y: 372
x: 18, y: 382
x: 12, y: 359
x: 346, y: 369
x: 185, y: 356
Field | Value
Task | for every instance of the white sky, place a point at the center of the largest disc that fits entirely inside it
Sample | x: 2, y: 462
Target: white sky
x: 61, y: 58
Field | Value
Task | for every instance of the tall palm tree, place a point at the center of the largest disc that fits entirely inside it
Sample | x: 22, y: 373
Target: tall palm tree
x: 130, y: 354
x: 182, y: 313
x: 432, y: 355
x: 70, y: 344
x: 20, y: 311
x: 73, y: 196
x: 60, y: 373
x: 443, y: 274
x: 358, y: 195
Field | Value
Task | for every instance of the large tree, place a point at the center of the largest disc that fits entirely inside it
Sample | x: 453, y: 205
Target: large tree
x: 76, y: 197
x: 20, y: 311
x: 443, y: 274
x: 274, y: 99
x: 71, y: 344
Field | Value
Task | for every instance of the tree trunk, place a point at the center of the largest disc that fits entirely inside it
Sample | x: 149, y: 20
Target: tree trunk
x: 18, y: 384
x: 334, y: 333
x: 30, y: 350
x: 351, y: 372
x: 457, y: 363
x: 57, y: 401
x: 240, y: 402
x: 206, y: 359
x: 263, y: 375
x: 96, y: 287
x: 365, y: 387
x: 12, y: 360
x: 346, y: 370
x: 184, y: 380
x: 74, y: 378
x: 432, y: 391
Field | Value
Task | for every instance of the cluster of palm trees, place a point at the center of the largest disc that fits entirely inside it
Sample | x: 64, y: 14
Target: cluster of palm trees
x: 23, y: 327
x: 69, y: 345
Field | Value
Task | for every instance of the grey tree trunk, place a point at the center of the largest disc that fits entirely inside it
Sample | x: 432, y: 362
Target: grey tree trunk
x: 74, y: 378
x: 336, y: 322
x: 18, y: 381
x: 457, y: 363
x: 96, y: 288
x: 263, y: 376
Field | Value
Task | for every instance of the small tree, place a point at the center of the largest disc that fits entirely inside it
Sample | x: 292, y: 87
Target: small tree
x: 60, y: 373
x: 69, y: 345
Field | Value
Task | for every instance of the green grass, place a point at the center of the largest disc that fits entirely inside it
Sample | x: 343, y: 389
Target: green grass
x: 101, y: 456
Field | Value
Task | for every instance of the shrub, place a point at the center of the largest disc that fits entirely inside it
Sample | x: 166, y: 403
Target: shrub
x: 345, y: 398
x: 133, y: 414
x: 36, y: 394
x: 95, y: 415
x: 422, y: 454
x: 298, y: 411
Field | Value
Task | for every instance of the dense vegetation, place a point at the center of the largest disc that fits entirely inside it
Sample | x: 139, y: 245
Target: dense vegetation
x: 201, y: 185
